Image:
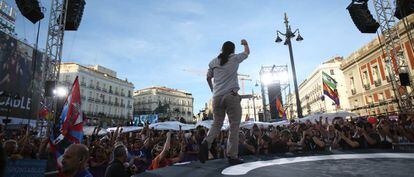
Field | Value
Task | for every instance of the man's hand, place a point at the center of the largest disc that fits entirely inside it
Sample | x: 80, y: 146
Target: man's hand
x: 244, y: 42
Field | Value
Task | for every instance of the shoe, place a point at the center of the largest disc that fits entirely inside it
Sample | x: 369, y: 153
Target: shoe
x: 203, y: 152
x: 235, y: 161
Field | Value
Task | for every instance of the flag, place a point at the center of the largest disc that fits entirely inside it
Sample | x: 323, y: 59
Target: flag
x: 43, y: 113
x: 279, y: 107
x: 329, y: 87
x: 70, y: 124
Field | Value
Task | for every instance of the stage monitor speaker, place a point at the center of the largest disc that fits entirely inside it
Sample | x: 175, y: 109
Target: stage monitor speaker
x: 75, y: 13
x: 404, y: 8
x: 49, y: 87
x: 274, y: 93
x: 362, y: 18
x: 30, y: 9
x: 404, y: 79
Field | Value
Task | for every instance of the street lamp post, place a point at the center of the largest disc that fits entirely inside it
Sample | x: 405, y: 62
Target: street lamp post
x: 254, y: 105
x: 289, y: 34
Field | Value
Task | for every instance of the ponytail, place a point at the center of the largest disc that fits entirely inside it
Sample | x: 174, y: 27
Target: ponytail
x: 226, y: 50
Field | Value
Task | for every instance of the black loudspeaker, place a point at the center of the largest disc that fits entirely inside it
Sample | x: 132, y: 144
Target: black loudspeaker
x: 274, y: 93
x: 404, y: 79
x: 362, y: 18
x: 75, y: 13
x: 30, y: 9
x: 49, y: 87
x: 404, y: 8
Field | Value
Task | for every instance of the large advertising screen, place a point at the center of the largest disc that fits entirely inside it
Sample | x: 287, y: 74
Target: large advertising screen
x: 19, y: 96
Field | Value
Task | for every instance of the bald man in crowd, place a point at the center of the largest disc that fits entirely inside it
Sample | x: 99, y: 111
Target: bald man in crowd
x: 75, y: 161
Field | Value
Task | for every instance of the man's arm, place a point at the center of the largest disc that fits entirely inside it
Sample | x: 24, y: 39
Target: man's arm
x: 167, y: 145
x: 210, y: 82
x: 246, y: 46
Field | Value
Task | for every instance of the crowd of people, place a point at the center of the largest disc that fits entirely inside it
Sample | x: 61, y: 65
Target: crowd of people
x: 124, y: 154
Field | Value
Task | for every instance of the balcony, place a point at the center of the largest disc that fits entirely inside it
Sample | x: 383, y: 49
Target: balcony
x: 104, y: 90
x: 83, y: 83
x: 367, y: 87
x: 91, y: 86
x: 353, y: 91
x: 110, y: 91
x: 130, y: 106
x: 97, y: 100
x: 377, y: 83
x: 83, y: 97
x: 110, y: 103
x: 91, y: 99
x: 388, y: 78
x: 98, y: 88
x: 122, y: 94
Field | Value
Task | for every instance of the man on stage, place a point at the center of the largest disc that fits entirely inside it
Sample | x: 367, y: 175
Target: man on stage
x: 223, y: 69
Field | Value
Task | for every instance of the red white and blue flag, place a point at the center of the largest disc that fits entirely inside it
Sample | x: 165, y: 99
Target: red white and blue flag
x: 70, y: 124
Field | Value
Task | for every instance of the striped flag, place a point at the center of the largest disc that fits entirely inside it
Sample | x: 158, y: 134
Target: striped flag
x: 280, y: 110
x: 329, y: 87
x: 70, y: 124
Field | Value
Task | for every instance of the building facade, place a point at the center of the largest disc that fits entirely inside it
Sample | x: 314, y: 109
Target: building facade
x: 368, y: 78
x: 252, y: 107
x: 105, y: 98
x: 311, y: 92
x: 166, y: 102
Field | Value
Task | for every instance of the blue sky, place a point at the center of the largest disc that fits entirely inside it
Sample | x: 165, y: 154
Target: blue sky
x: 151, y: 42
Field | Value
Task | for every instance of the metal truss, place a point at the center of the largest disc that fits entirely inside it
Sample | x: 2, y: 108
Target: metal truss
x: 54, y: 46
x: 395, y: 60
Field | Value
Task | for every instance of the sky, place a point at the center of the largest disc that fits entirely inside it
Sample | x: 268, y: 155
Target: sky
x: 170, y: 42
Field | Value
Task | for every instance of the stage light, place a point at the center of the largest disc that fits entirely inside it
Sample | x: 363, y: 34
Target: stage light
x: 60, y: 91
x: 267, y: 78
x: 30, y: 9
x: 362, y: 18
x: 75, y: 13
x: 283, y: 77
x: 404, y: 8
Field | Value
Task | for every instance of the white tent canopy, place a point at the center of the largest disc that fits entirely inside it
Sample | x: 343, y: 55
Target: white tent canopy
x: 208, y: 123
x: 330, y: 116
x: 88, y: 130
x: 125, y: 129
x: 249, y: 124
x: 171, y: 125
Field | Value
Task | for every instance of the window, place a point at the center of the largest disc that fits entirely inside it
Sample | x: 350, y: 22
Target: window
x: 381, y: 97
x: 332, y: 72
x: 375, y: 73
x: 365, y: 78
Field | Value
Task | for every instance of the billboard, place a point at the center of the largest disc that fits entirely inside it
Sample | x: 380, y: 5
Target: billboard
x: 19, y: 97
x: 144, y: 119
x: 7, y: 16
x: 274, y: 93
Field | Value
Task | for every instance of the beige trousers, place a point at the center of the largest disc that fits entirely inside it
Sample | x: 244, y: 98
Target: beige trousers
x: 230, y: 104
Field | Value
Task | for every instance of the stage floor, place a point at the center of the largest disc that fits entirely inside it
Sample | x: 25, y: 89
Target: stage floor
x: 355, y: 163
